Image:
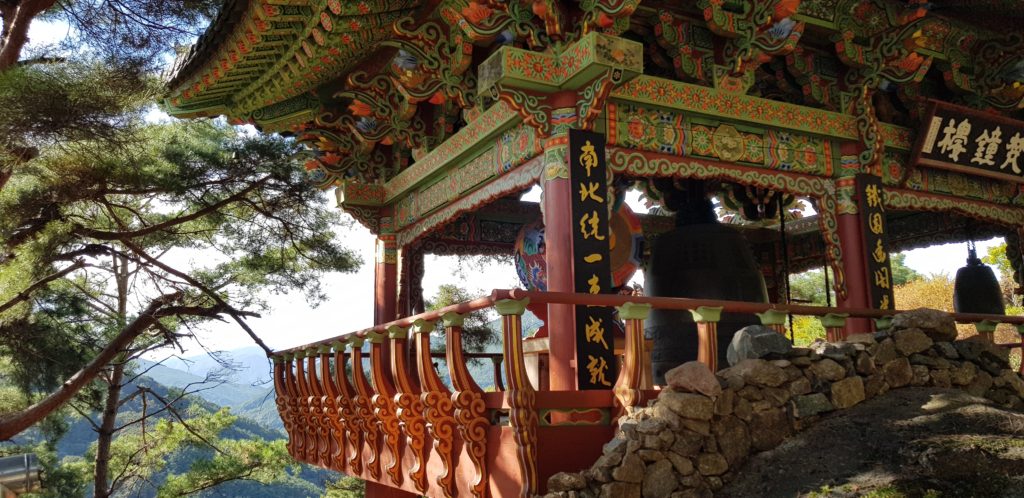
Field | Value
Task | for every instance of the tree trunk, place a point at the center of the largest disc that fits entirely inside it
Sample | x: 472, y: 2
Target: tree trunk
x: 14, y: 424
x: 108, y: 423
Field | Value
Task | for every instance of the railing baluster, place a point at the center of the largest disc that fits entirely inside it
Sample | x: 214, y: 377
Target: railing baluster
x: 774, y: 319
x: 986, y: 329
x: 707, y: 318
x: 284, y: 398
x: 364, y: 405
x: 520, y: 394
x: 308, y: 452
x: 355, y: 426
x: 835, y: 326
x: 627, y: 386
x: 384, y: 406
x: 321, y: 426
x: 468, y: 401
x: 332, y: 414
x: 409, y: 407
x: 438, y: 409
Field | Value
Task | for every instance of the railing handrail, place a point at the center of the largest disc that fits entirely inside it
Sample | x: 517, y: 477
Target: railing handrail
x: 674, y: 303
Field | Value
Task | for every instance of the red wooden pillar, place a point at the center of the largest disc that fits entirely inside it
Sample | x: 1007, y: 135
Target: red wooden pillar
x: 851, y: 241
x: 385, y: 280
x: 561, y: 323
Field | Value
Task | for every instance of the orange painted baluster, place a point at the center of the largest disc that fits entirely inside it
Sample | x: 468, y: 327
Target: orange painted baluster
x: 520, y: 395
x: 707, y: 334
x: 437, y: 408
x: 384, y: 406
x: 987, y: 330
x: 774, y: 319
x: 308, y: 399
x: 627, y: 387
x: 299, y: 410
x: 355, y: 427
x: 835, y: 326
x: 284, y: 397
x: 468, y: 402
x: 320, y: 424
x: 364, y: 408
x: 409, y: 407
x: 332, y: 416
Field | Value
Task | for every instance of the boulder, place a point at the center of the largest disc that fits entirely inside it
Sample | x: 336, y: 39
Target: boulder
x: 938, y: 325
x: 693, y: 377
x: 711, y: 464
x: 898, y: 373
x: 828, y: 369
x: 809, y: 405
x: 620, y: 490
x: 910, y: 341
x: 963, y: 374
x: 733, y: 439
x: 756, y: 342
x: 631, y: 469
x: 659, y: 480
x: 566, y: 481
x: 769, y: 428
x: 847, y: 392
x: 687, y: 405
x: 756, y: 372
x: 981, y: 384
x: 1013, y: 381
x: 838, y: 351
x: 864, y: 364
x: 886, y: 352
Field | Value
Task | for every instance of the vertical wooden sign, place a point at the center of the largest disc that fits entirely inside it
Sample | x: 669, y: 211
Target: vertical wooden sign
x: 595, y: 340
x: 876, y: 251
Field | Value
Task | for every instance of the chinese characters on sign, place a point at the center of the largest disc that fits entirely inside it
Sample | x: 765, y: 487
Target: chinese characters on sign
x: 963, y: 139
x: 595, y: 338
x: 876, y: 255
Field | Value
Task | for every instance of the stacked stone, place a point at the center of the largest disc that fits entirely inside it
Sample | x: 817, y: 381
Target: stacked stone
x: 702, y: 428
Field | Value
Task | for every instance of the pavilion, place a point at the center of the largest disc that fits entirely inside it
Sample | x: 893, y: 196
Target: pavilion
x: 895, y: 121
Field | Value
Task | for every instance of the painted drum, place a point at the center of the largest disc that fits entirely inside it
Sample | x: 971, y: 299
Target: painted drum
x: 627, y: 240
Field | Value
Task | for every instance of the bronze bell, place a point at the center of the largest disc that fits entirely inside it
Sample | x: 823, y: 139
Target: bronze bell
x: 976, y: 289
x: 700, y: 258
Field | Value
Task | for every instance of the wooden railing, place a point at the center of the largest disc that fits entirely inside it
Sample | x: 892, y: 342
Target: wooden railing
x: 406, y: 428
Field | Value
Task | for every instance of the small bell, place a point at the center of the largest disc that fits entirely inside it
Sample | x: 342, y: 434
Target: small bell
x: 976, y: 289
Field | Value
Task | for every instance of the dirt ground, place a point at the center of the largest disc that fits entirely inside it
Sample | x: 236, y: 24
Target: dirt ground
x: 914, y: 442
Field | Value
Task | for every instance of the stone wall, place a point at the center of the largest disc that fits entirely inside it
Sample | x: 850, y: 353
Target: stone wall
x: 702, y: 427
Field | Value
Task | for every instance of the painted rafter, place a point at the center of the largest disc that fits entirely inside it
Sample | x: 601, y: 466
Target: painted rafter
x: 432, y: 63
x: 879, y: 45
x: 987, y: 71
x: 689, y: 45
x: 754, y: 31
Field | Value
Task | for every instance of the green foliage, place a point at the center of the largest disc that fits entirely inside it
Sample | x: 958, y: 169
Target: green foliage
x: 476, y: 334
x: 996, y: 256
x: 346, y: 487
x: 807, y: 329
x: 901, y: 273
x: 43, y: 104
x: 809, y: 287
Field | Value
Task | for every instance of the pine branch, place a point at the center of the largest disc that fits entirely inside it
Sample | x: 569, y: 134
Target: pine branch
x: 235, y: 314
x: 111, y: 235
x: 25, y: 294
x: 14, y: 424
